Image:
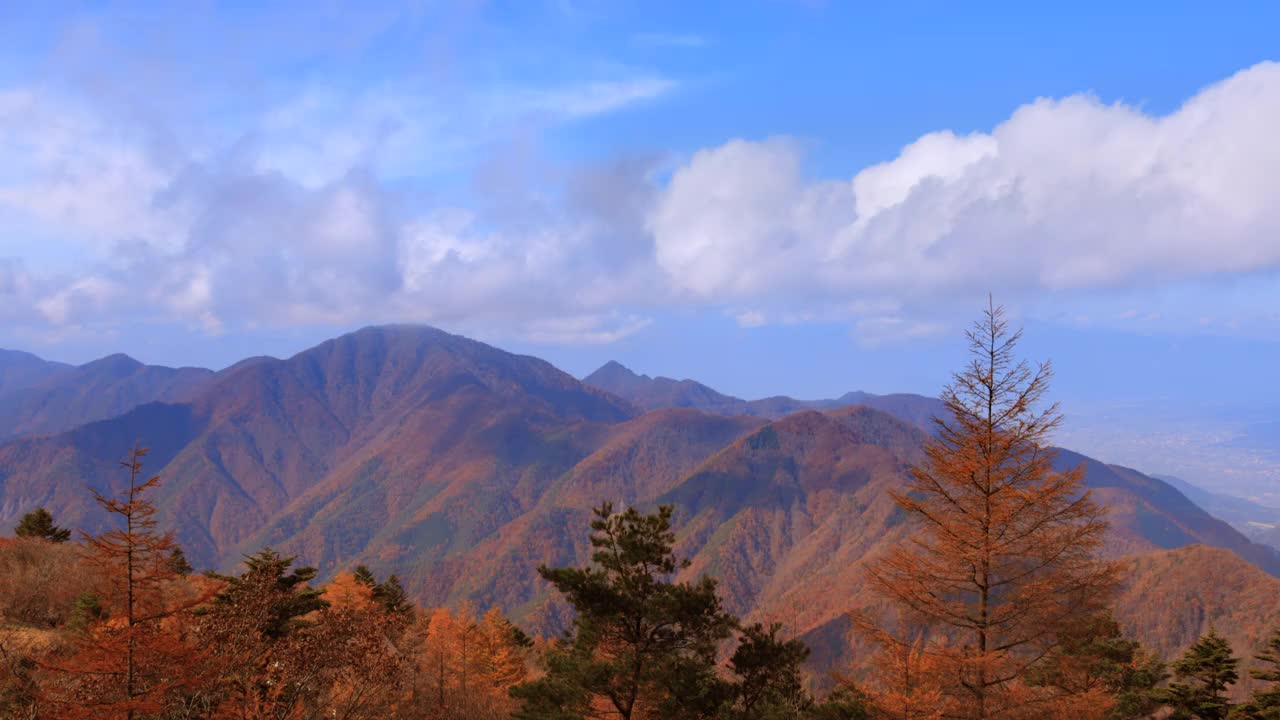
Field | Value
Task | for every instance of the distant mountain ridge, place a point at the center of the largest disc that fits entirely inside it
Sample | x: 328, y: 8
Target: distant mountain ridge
x: 52, y: 397
x: 463, y: 467
x: 19, y: 370
x: 652, y: 393
x: 269, y: 451
x: 1258, y: 522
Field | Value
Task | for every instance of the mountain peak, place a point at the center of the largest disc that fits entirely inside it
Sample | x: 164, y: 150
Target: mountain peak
x: 20, y: 370
x: 116, y: 364
x: 401, y: 330
x: 613, y: 372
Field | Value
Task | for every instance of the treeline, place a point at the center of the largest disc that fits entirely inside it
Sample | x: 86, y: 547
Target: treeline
x: 995, y: 606
x: 118, y: 626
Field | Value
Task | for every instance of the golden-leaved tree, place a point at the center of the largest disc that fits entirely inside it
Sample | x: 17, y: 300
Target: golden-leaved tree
x: 465, y: 668
x: 139, y: 653
x: 1004, y: 557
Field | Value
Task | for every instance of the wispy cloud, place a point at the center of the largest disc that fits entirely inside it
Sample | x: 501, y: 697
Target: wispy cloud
x: 581, y: 100
x: 316, y: 198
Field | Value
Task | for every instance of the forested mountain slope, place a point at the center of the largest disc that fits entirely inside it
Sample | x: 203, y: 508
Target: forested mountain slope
x: 462, y: 468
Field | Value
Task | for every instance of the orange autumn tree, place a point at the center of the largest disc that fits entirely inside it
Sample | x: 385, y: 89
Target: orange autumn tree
x: 502, y: 654
x: 1004, y: 556
x: 465, y: 668
x: 904, y: 681
x: 362, y: 669
x: 130, y: 663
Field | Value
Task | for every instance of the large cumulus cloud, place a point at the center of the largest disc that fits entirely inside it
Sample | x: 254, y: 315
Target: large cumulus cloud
x: 310, y: 213
x: 1066, y: 194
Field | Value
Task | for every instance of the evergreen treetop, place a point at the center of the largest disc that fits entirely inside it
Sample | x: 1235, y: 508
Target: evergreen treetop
x: 642, y: 644
x: 284, y: 594
x: 1265, y: 703
x: 1203, y: 675
x: 39, y: 524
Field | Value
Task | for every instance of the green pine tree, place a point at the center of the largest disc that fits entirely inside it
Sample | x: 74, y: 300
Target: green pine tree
x: 767, y: 672
x: 393, y: 597
x: 87, y: 611
x: 843, y: 704
x: 178, y: 562
x: 642, y: 644
x: 1265, y: 704
x: 39, y: 524
x: 389, y: 593
x: 1203, y: 675
x: 281, y: 596
x: 1094, y: 654
x: 364, y: 576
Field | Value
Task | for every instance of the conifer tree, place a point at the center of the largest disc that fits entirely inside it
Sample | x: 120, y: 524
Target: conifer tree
x: 86, y: 611
x: 1102, y: 673
x: 1004, y: 558
x: 39, y: 524
x: 253, y: 627
x: 768, y: 682
x: 500, y: 652
x: 905, y: 682
x: 278, y: 595
x: 178, y: 562
x: 364, y: 576
x: 1203, y: 675
x: 350, y: 665
x: 390, y: 593
x: 1265, y: 703
x: 439, y: 658
x: 130, y: 658
x: 464, y: 668
x: 642, y: 644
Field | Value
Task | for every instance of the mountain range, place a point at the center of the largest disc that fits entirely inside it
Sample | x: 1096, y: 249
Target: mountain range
x: 38, y: 397
x: 651, y: 393
x: 1258, y: 522
x: 463, y: 467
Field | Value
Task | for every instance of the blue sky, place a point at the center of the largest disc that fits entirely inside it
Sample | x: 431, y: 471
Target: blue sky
x: 774, y: 197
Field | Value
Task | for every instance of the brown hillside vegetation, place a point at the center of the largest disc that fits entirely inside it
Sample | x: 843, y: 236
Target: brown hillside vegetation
x: 95, y: 391
x: 1169, y: 598
x: 462, y: 468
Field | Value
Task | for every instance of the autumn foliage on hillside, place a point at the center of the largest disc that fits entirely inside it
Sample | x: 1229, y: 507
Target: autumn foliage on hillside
x: 996, y: 605
x: 118, y: 627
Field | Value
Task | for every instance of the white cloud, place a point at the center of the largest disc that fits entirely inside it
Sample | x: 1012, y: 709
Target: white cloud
x: 301, y: 215
x: 68, y: 170
x: 585, y: 329
x: 739, y: 220
x: 83, y: 297
x: 1065, y: 195
x: 940, y: 157
x: 582, y: 100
